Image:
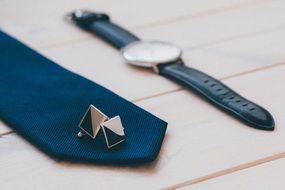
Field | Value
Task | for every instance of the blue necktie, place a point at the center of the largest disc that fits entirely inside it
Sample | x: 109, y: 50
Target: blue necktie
x: 44, y: 103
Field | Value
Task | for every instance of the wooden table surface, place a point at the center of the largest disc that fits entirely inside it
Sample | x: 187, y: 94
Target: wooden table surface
x: 241, y: 42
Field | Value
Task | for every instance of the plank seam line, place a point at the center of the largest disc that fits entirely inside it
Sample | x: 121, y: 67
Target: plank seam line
x: 158, y: 94
x: 222, y: 79
x: 6, y: 133
x: 227, y: 171
x: 236, y: 37
x: 168, y: 21
x: 210, y: 12
x: 182, y: 88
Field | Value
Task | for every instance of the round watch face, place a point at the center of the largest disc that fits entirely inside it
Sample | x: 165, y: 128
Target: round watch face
x: 148, y: 53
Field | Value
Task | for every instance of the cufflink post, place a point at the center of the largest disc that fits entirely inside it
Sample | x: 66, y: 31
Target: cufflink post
x: 81, y: 134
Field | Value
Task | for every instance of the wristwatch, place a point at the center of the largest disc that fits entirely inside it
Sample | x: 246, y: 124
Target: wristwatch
x: 165, y: 59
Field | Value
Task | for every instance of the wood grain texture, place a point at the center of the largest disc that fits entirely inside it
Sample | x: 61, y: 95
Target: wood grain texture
x: 263, y: 177
x: 4, y: 129
x: 200, y: 140
x: 219, y: 26
x: 238, y: 41
x: 94, y: 61
x: 237, y: 48
x: 41, y: 23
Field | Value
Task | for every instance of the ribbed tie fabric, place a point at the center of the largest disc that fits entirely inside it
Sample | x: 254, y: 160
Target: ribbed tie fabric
x: 44, y: 103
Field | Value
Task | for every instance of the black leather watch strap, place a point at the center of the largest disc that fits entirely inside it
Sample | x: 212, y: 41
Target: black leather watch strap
x: 101, y: 25
x: 211, y: 89
x: 218, y: 94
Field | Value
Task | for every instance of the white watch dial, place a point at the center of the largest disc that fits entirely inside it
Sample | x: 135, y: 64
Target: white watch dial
x: 151, y: 52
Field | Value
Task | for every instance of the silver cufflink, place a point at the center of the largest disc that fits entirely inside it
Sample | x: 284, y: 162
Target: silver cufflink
x: 94, y: 120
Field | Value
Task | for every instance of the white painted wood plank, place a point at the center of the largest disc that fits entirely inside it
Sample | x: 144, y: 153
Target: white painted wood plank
x: 103, y: 64
x: 4, y: 128
x: 94, y: 59
x: 200, y: 140
x: 263, y: 177
x: 41, y: 23
x: 241, y: 55
x: 207, y: 140
x: 214, y: 28
x: 208, y: 124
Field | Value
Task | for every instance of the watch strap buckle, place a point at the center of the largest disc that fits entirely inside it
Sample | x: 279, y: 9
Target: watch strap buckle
x: 84, y: 18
